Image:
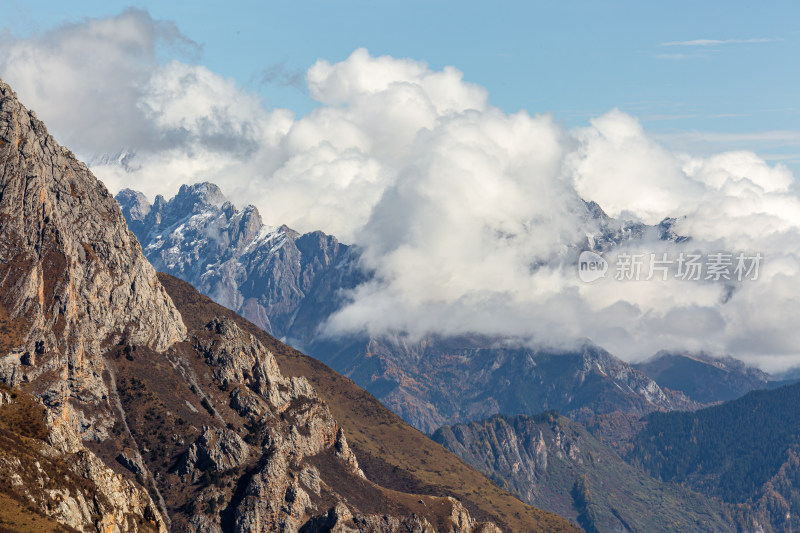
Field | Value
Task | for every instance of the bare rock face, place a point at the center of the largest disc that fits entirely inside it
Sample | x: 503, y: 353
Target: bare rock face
x: 290, y: 425
x: 216, y: 450
x: 72, y: 277
x: 340, y: 519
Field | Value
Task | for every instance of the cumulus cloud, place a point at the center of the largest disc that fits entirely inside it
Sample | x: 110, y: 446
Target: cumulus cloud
x: 92, y: 72
x: 471, y: 218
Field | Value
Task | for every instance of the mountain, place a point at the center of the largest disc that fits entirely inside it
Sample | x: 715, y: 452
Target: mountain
x: 122, y: 413
x: 290, y: 284
x: 703, y: 378
x: 284, y: 282
x: 746, y: 451
x: 555, y: 462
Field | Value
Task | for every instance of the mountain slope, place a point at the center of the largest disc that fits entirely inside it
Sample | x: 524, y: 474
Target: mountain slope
x: 745, y: 451
x: 703, y: 378
x: 145, y: 423
x: 556, y: 464
x: 389, y: 451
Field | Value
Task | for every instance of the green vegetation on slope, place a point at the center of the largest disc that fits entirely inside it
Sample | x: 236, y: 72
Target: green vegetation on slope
x: 757, y: 430
x: 744, y: 451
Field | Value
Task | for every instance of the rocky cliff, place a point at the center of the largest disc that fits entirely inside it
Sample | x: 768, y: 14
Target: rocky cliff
x: 72, y: 277
x: 127, y: 420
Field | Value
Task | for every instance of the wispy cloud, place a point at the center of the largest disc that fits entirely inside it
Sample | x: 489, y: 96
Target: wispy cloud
x: 773, y: 137
x: 774, y: 145
x: 666, y: 116
x: 785, y: 158
x: 716, y: 42
x: 279, y: 74
x: 682, y: 56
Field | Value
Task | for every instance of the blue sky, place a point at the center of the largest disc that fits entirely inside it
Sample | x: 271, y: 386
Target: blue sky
x: 576, y: 59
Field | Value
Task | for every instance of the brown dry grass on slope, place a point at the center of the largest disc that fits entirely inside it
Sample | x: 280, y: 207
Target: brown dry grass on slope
x: 391, y: 453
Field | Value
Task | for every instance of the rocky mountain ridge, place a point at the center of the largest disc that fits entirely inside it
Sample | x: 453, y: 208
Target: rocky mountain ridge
x: 280, y: 280
x: 703, y: 378
x: 439, y: 381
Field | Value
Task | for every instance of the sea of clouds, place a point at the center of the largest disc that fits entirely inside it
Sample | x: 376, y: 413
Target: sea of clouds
x: 466, y: 213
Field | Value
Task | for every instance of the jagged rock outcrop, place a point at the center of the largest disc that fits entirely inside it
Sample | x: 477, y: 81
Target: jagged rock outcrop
x: 340, y: 519
x: 291, y: 426
x: 217, y: 450
x: 49, y: 468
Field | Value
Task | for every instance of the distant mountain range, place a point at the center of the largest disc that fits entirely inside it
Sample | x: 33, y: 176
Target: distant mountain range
x: 290, y: 284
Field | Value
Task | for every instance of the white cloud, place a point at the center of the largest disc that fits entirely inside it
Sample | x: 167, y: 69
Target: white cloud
x: 469, y: 216
x: 92, y: 73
